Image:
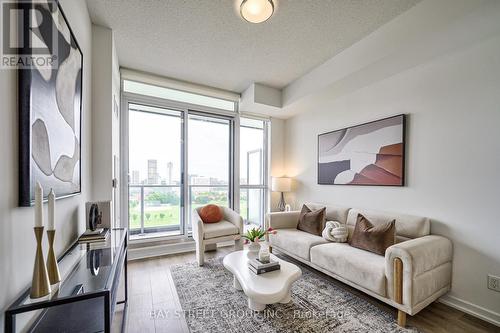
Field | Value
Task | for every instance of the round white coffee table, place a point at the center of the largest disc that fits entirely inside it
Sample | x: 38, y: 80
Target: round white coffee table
x: 268, y: 288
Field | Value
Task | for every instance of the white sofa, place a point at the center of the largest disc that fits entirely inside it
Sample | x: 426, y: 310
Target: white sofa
x: 207, y: 235
x: 413, y: 273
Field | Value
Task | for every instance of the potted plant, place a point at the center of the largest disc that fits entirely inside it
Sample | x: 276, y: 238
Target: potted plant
x: 254, y: 236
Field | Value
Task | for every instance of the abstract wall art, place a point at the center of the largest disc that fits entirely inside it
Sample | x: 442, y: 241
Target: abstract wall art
x: 367, y: 154
x: 50, y: 110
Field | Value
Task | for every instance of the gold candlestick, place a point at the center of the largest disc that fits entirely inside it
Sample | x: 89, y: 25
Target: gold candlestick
x: 40, y: 283
x: 52, y: 267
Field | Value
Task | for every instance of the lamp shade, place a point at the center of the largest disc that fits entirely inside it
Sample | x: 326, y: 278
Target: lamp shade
x: 281, y: 184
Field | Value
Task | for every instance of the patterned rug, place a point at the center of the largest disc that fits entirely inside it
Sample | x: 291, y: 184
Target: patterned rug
x: 211, y: 304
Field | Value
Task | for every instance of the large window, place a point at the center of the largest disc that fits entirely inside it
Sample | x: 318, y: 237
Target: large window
x: 155, y: 164
x: 180, y: 155
x: 253, y: 170
x: 180, y: 152
x: 209, y: 160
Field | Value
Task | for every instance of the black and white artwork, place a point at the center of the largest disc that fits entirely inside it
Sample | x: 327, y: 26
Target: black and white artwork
x: 50, y: 112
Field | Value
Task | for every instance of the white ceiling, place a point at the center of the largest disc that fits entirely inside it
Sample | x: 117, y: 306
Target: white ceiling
x: 206, y: 42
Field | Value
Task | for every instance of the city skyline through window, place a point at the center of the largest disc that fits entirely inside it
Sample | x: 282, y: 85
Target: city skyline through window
x: 156, y: 140
x: 157, y: 137
x: 154, y: 146
x: 151, y: 167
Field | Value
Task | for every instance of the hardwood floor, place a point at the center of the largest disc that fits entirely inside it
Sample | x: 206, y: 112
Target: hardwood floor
x: 153, y: 301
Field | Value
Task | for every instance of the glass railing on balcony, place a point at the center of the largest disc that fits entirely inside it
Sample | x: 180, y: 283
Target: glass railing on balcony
x: 157, y: 208
x: 252, y: 202
x: 154, y: 208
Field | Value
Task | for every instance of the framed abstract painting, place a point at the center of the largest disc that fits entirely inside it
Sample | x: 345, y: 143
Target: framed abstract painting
x: 367, y: 154
x: 50, y: 111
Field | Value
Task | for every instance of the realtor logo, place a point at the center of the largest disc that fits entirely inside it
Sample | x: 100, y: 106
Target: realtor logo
x: 29, y: 38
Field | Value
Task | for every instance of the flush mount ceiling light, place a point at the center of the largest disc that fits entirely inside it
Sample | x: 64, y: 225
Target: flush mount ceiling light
x: 256, y: 11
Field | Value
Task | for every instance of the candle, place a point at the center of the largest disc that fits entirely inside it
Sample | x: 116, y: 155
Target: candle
x: 264, y: 255
x: 38, y: 205
x: 52, y: 211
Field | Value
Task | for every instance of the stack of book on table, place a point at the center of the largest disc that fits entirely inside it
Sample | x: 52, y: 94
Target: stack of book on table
x: 259, y: 267
x: 98, y: 235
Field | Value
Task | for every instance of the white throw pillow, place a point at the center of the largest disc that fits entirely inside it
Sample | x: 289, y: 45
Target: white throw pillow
x: 335, y: 232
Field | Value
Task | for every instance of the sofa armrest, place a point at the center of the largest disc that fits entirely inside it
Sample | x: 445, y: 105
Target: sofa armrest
x: 197, y: 225
x: 233, y: 217
x: 426, y: 267
x: 282, y: 220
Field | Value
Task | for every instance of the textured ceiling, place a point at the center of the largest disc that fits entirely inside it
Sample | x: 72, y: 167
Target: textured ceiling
x: 206, y: 42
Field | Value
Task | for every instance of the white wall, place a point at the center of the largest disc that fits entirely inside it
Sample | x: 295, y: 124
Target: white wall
x: 277, y: 157
x: 116, y: 94
x: 105, y: 123
x: 453, y: 154
x: 102, y: 104
x: 17, y: 242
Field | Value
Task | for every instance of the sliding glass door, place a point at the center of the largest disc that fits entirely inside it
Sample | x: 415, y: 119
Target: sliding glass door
x: 178, y: 160
x: 155, y: 170
x: 209, y: 160
x: 253, y: 170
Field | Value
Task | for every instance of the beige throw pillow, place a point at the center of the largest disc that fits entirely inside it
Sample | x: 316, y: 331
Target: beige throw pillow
x: 335, y: 232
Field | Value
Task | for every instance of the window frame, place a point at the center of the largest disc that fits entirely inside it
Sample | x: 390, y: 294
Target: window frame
x: 264, y: 186
x: 186, y: 109
x: 164, y: 229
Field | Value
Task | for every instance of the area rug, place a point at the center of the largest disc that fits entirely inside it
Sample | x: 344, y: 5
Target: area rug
x: 211, y: 304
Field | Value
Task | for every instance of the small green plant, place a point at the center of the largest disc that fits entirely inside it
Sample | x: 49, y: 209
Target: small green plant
x: 148, y: 216
x: 256, y: 234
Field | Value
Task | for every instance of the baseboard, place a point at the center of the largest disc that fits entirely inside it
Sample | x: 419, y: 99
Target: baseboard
x: 160, y: 250
x: 472, y: 309
x: 166, y: 249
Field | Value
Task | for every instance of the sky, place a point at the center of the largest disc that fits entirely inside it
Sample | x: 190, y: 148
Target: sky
x: 158, y: 136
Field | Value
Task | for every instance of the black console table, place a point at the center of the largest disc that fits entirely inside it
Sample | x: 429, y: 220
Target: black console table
x: 85, y: 299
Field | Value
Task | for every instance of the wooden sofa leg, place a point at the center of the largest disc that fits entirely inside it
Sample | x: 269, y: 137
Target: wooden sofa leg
x: 270, y: 249
x: 401, y: 318
x: 398, y: 289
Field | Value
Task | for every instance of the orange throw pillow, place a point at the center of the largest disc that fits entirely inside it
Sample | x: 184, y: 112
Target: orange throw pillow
x: 211, y: 214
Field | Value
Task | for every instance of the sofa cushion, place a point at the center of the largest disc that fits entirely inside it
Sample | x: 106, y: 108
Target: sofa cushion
x: 295, y: 241
x: 310, y: 221
x: 361, y: 267
x: 211, y: 214
x: 407, y: 226
x: 219, y: 229
x: 372, y: 238
x: 333, y: 212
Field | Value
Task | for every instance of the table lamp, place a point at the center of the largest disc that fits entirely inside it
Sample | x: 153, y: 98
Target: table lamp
x: 281, y: 184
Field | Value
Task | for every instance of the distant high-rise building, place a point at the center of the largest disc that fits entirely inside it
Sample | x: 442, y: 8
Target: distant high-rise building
x: 200, y: 180
x: 136, y: 179
x: 170, y: 165
x: 153, y: 172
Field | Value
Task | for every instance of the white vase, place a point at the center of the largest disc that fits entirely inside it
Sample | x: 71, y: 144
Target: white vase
x: 254, y: 248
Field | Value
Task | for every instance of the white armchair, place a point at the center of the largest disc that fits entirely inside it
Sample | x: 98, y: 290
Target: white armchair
x: 207, y: 235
